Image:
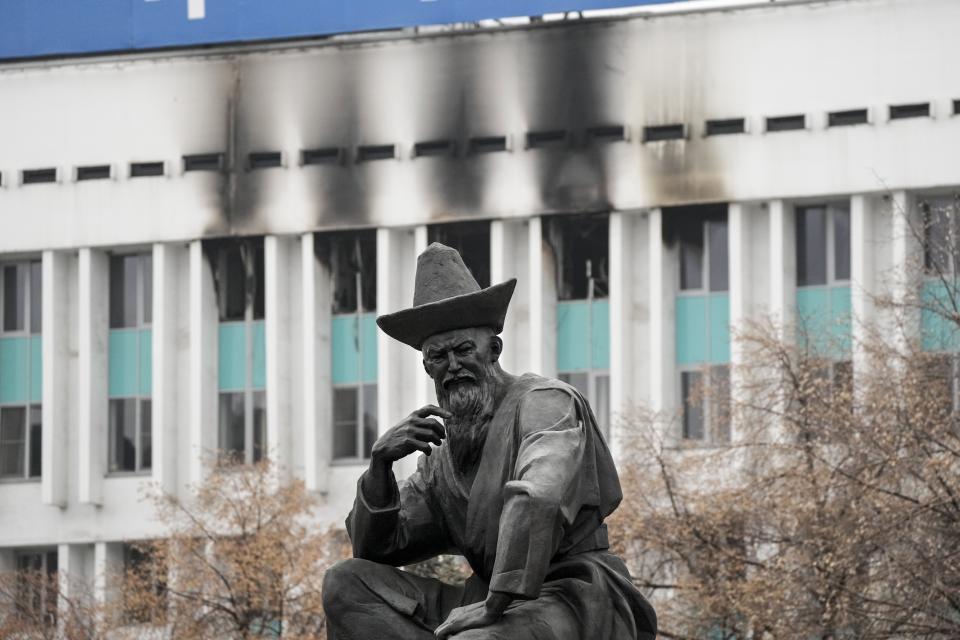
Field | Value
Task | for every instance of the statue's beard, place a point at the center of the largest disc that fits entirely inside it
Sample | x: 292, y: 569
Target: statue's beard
x: 471, y: 401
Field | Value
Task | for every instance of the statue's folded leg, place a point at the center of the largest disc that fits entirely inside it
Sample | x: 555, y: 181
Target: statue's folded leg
x: 364, y: 600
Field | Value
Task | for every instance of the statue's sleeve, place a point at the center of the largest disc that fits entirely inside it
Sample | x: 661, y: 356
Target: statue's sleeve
x: 402, y: 532
x: 541, y: 494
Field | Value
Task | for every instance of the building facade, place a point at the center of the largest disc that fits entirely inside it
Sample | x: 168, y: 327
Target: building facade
x: 194, y: 245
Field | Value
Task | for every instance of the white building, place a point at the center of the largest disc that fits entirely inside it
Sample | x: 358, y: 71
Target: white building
x: 194, y: 243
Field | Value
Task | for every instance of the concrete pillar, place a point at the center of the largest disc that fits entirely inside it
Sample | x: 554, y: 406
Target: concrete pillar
x: 93, y: 328
x: 74, y: 579
x: 782, y: 266
x: 907, y: 272
x: 424, y: 390
x: 317, y: 396
x: 107, y: 567
x: 740, y: 252
x: 56, y: 367
x: 543, y: 302
x: 400, y: 374
x: 282, y: 283
x: 862, y: 279
x: 622, y: 334
x: 202, y: 425
x: 509, y: 246
x: 168, y: 260
x: 660, y: 354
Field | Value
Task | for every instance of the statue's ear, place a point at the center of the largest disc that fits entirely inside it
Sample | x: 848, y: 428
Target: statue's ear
x: 496, y: 348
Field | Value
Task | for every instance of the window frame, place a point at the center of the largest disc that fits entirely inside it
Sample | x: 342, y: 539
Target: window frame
x: 138, y: 400
x: 358, y: 425
x: 45, y: 554
x: 951, y: 203
x: 714, y: 433
x: 705, y: 273
x: 830, y: 211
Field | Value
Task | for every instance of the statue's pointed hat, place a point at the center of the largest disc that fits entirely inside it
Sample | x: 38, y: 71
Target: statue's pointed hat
x: 446, y: 297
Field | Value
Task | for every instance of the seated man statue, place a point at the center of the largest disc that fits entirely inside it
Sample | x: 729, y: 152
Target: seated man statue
x: 519, y: 484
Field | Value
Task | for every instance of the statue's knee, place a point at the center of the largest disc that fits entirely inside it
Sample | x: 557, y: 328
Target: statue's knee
x: 340, y: 584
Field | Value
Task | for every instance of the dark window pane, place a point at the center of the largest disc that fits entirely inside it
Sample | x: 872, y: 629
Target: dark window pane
x: 351, y: 257
x: 232, y: 438
x: 146, y: 276
x: 259, y: 425
x: 690, y: 383
x: 14, y: 297
x: 36, y: 441
x: 581, y: 251
x: 472, y: 240
x: 36, y: 297
x: 345, y: 423
x: 719, y: 255
x: 13, y: 425
x: 231, y: 280
x: 258, y: 283
x: 578, y: 380
x: 691, y: 258
x: 123, y: 434
x: 841, y: 244
x: 369, y: 418
x: 146, y: 435
x: 720, y: 403
x: 123, y: 291
x: 938, y: 220
x: 811, y: 246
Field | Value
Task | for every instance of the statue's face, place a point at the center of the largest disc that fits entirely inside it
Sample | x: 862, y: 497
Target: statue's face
x: 461, y: 356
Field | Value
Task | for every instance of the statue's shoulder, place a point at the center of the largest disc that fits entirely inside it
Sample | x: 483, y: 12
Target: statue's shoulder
x: 533, y: 382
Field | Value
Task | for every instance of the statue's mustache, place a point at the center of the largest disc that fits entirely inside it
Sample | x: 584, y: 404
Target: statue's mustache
x: 466, y: 376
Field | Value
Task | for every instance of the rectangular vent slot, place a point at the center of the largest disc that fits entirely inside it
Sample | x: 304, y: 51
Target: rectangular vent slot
x: 787, y: 123
x: 919, y: 110
x: 663, y: 132
x: 93, y: 172
x: 726, y: 127
x: 265, y: 160
x: 203, y: 162
x: 146, y: 169
x: 542, y: 139
x: 846, y: 118
x: 39, y: 176
x: 488, y: 144
x: 607, y: 133
x: 371, y: 152
x: 434, y: 148
x: 326, y: 155
x: 956, y: 107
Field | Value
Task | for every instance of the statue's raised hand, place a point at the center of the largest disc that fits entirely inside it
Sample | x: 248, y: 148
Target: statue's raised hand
x: 416, y: 432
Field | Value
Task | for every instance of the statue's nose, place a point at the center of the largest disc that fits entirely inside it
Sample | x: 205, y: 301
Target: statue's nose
x: 454, y: 362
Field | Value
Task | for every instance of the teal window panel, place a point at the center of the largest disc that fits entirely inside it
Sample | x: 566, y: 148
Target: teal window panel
x: 823, y: 314
x: 232, y: 356
x: 36, y: 369
x: 14, y: 370
x: 576, y: 319
x: 368, y: 325
x: 938, y: 333
x: 348, y: 332
x: 693, y: 346
x: 259, y: 355
x: 124, y: 353
x: 719, y: 327
x: 146, y: 363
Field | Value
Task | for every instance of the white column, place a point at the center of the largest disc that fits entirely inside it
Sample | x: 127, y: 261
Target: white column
x: 509, y: 247
x: 107, y: 565
x: 93, y: 328
x: 740, y: 245
x: 167, y: 261
x: 656, y: 267
x: 281, y: 282
x: 400, y: 374
x: 543, y: 302
x: 317, y: 396
x: 203, y: 363
x: 862, y: 284
x: 73, y: 576
x: 56, y: 366
x: 621, y: 317
x: 424, y: 389
x: 907, y: 266
x: 782, y: 266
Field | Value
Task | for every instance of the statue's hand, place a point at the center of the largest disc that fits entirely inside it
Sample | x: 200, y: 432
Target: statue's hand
x: 474, y: 616
x: 414, y: 433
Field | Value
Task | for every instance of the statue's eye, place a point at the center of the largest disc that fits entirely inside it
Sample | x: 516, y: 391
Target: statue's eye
x: 464, y: 350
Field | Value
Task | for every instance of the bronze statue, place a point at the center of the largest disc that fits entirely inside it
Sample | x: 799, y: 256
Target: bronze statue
x: 519, y: 483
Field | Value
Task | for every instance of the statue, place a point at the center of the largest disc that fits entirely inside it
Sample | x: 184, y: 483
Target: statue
x: 517, y: 479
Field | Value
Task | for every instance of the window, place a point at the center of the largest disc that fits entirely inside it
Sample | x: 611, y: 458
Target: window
x: 704, y: 260
x: 129, y: 418
x: 941, y: 236
x: 706, y: 404
x: 37, y: 586
x: 823, y: 245
x: 581, y: 247
x: 472, y: 240
x: 144, y: 586
x: 21, y: 417
x: 351, y: 259
x: 238, y: 268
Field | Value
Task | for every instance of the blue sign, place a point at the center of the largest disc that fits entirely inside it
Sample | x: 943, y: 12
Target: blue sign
x: 37, y: 28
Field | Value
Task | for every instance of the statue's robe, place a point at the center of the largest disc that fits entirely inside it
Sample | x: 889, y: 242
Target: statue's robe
x: 531, y: 526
